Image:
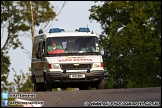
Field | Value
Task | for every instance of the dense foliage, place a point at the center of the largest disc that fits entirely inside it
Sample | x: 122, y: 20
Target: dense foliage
x: 132, y: 35
x: 16, y: 19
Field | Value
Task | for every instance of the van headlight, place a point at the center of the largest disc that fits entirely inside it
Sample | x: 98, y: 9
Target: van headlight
x: 95, y: 65
x: 56, y: 66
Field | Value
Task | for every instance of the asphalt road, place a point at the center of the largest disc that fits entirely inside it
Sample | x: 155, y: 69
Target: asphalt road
x: 109, y: 97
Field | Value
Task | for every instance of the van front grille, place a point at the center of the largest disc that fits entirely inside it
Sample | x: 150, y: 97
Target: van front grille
x: 73, y: 67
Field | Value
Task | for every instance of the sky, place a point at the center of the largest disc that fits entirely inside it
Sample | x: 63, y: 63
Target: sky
x: 75, y: 14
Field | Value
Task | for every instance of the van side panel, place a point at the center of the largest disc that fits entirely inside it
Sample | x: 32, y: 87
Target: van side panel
x: 38, y: 68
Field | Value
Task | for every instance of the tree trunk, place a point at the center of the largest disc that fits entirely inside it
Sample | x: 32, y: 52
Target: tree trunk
x: 32, y: 26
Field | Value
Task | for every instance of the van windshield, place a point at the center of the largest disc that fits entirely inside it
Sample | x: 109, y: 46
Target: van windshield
x: 72, y: 45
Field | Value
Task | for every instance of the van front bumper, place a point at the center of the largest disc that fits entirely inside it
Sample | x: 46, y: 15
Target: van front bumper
x: 60, y: 77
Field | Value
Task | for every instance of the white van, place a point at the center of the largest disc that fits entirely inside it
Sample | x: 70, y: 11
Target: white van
x: 70, y: 64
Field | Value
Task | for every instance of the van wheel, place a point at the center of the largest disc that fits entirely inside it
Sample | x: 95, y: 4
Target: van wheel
x: 63, y: 88
x: 47, y: 86
x: 38, y: 87
x: 101, y: 84
x: 32, y: 78
x: 83, y: 88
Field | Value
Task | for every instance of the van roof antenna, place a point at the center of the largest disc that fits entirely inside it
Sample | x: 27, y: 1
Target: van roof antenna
x: 87, y: 27
x: 92, y: 27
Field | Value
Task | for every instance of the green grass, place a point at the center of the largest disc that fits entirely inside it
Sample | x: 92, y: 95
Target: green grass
x: 67, y: 89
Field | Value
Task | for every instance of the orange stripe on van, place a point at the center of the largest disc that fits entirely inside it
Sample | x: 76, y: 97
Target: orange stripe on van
x: 101, y: 64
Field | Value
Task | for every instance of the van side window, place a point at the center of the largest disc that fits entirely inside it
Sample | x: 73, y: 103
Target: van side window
x: 40, y: 49
x: 35, y: 48
x: 43, y: 47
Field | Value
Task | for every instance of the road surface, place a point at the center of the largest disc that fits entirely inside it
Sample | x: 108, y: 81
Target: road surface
x: 109, y: 97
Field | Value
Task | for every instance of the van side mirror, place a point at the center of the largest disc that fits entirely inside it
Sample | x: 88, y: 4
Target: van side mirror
x: 38, y: 55
x: 104, y: 53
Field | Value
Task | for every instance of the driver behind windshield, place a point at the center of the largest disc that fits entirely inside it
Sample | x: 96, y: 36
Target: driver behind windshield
x: 88, y: 48
x: 53, y: 47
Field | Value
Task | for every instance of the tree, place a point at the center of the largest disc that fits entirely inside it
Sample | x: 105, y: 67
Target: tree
x: 27, y: 85
x: 35, y: 13
x: 16, y: 17
x: 39, y: 13
x: 22, y: 82
x: 132, y: 35
x: 11, y: 87
x: 12, y: 22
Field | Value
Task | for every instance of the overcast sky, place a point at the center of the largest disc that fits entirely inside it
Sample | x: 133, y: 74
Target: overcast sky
x: 75, y: 14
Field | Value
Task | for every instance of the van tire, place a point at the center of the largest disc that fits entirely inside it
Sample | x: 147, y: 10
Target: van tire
x: 101, y: 84
x: 47, y: 86
x: 32, y: 78
x: 83, y: 88
x: 38, y: 87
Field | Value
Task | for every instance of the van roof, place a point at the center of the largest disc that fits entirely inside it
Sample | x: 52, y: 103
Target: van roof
x: 67, y: 33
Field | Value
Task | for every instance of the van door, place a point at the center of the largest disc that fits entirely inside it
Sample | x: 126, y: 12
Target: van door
x: 37, y: 65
